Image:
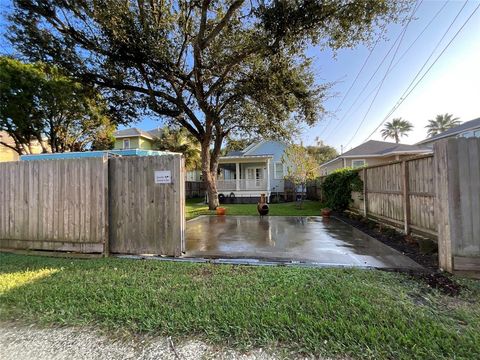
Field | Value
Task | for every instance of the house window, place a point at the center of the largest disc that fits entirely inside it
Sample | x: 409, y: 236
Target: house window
x: 358, y: 163
x: 477, y: 133
x: 278, y: 170
x: 126, y: 143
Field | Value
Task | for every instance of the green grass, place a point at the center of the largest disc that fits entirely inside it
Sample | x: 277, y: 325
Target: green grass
x: 196, y: 207
x: 357, y: 313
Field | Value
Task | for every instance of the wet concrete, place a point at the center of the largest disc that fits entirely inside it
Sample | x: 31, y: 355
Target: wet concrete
x: 285, y: 238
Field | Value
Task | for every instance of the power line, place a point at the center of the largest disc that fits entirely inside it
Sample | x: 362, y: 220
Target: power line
x: 404, y: 53
x: 407, y: 92
x: 386, y: 74
x: 373, y: 75
x: 354, y: 81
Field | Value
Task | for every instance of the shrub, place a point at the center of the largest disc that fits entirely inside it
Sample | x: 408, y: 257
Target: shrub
x: 338, y: 186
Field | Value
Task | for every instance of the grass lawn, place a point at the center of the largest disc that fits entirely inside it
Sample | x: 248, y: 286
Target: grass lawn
x: 357, y: 313
x: 196, y: 207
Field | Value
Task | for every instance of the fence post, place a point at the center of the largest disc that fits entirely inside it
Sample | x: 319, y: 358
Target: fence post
x: 365, y: 193
x: 406, y: 198
x: 442, y: 202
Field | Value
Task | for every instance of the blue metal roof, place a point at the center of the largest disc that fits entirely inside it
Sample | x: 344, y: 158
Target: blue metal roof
x: 90, y: 154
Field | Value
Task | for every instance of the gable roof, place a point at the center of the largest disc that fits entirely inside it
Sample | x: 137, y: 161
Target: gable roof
x: 374, y: 148
x: 472, y: 124
x: 132, y: 132
x: 381, y: 148
x: 252, y: 149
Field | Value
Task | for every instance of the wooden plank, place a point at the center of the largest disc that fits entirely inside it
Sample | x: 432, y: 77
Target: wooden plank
x: 406, y: 198
x: 442, y: 200
x: 365, y: 193
x: 465, y: 263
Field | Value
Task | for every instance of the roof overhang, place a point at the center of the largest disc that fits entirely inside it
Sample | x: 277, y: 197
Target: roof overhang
x: 452, y: 134
x: 366, y: 156
x: 132, y: 136
x: 390, y: 153
x: 243, y: 159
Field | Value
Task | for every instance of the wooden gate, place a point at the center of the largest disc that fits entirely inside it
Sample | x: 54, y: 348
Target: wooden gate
x: 146, y: 201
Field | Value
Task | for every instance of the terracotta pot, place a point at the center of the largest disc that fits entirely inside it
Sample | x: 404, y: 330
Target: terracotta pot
x: 326, y: 212
x: 221, y: 211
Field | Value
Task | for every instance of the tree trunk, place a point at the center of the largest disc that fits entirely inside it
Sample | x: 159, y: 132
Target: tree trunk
x: 210, y: 177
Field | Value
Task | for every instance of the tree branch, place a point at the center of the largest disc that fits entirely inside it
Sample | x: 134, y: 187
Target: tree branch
x: 219, y: 27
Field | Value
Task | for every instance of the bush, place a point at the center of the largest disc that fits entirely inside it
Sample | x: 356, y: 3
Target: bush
x: 338, y: 186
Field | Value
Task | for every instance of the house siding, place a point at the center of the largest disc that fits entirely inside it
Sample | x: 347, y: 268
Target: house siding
x: 369, y: 161
x: 135, y: 143
x: 276, y: 149
x: 7, y: 154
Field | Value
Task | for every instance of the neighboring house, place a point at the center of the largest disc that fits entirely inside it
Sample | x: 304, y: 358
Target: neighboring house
x: 134, y: 138
x: 372, y: 152
x: 8, y: 154
x: 257, y: 169
x: 467, y: 129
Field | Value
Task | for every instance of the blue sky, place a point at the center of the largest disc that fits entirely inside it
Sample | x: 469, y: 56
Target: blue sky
x: 450, y: 86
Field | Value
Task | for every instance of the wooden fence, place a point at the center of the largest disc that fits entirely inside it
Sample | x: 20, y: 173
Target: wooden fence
x: 56, y: 205
x: 147, y: 217
x: 94, y: 205
x: 194, y: 189
x: 457, y: 180
x: 401, y: 193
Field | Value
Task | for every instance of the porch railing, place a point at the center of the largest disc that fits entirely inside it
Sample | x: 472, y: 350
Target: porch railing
x: 243, y: 184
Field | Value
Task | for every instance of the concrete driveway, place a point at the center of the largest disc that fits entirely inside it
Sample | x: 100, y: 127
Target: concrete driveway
x: 289, y: 238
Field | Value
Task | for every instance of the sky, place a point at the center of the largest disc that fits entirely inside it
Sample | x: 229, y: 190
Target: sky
x: 451, y: 85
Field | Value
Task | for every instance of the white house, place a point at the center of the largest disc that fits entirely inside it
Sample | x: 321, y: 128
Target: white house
x: 257, y: 169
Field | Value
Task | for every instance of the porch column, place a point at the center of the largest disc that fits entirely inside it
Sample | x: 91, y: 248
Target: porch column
x: 237, y: 176
x: 268, y: 175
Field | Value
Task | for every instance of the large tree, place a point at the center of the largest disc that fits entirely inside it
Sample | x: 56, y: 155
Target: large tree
x: 40, y: 104
x: 396, y: 129
x: 321, y: 152
x: 215, y: 67
x: 441, y: 123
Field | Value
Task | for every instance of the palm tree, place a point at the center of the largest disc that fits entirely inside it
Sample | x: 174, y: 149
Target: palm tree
x: 179, y: 140
x: 441, y: 123
x: 396, y: 128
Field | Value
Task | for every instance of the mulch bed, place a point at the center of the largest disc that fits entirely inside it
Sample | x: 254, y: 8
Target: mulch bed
x: 407, y: 245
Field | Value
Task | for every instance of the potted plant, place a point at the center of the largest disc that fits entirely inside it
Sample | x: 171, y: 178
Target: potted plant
x: 221, y: 210
x: 326, y: 212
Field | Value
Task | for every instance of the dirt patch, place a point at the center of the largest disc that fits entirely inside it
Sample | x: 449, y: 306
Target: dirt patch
x: 407, y: 245
x: 202, y: 272
x: 411, y: 246
x: 439, y: 281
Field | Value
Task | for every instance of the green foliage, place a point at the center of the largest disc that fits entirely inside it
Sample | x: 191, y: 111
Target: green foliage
x: 317, y: 313
x: 322, y: 152
x: 38, y: 102
x: 179, y: 140
x: 301, y: 166
x: 396, y: 128
x: 237, y: 144
x: 338, y: 186
x: 441, y: 123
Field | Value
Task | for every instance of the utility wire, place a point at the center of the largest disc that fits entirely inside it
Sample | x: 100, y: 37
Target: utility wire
x: 371, y: 77
x: 353, y: 83
x: 407, y: 92
x: 402, y: 35
x: 403, y: 54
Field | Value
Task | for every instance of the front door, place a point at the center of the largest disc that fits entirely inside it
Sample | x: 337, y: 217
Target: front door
x: 254, y: 177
